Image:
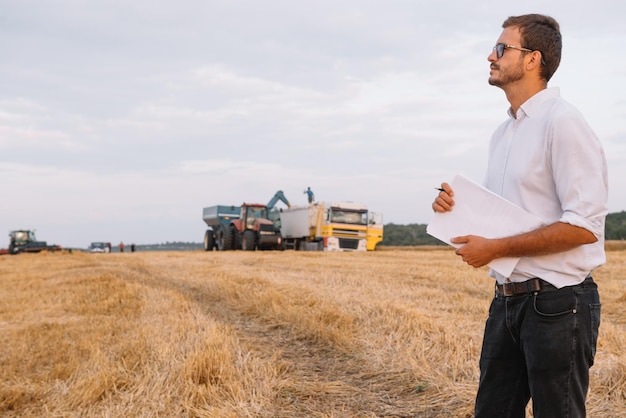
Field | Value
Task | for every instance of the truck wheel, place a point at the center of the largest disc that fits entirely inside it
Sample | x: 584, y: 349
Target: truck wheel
x: 248, y: 242
x: 209, y: 240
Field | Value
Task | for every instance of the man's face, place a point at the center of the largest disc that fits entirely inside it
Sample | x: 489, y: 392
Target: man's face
x: 509, y: 68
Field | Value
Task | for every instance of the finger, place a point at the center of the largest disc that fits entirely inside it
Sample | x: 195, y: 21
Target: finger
x: 440, y: 205
x: 464, y: 239
x: 447, y: 188
x: 445, y: 197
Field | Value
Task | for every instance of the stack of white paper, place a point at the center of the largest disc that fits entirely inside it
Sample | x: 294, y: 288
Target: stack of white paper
x: 479, y: 211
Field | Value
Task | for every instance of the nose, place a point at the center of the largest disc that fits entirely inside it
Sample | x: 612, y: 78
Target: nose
x: 493, y: 57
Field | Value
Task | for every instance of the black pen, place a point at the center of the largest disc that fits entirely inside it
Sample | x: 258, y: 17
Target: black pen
x: 440, y: 189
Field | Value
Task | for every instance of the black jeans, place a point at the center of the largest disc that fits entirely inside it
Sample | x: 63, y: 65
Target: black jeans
x: 540, y: 346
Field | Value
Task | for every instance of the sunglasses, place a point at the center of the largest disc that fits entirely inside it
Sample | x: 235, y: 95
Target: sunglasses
x: 499, y: 48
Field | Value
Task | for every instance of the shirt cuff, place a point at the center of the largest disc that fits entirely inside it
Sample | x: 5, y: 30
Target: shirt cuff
x: 593, y: 225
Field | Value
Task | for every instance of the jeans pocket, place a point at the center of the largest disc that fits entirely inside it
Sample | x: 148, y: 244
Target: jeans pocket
x: 554, y: 304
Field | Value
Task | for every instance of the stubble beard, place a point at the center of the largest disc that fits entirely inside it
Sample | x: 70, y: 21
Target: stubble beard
x: 506, y: 76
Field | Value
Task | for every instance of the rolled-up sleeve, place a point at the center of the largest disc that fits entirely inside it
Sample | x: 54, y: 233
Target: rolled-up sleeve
x: 579, y: 167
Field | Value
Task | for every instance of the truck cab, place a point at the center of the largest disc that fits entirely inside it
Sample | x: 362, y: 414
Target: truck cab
x: 345, y: 227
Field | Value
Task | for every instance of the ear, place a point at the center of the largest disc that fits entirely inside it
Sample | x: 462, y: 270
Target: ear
x: 534, y: 61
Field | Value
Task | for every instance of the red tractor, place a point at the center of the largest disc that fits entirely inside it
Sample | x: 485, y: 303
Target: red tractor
x: 254, y: 230
x: 250, y: 226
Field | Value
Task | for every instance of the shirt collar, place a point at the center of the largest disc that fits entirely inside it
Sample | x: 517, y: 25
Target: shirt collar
x: 532, y: 104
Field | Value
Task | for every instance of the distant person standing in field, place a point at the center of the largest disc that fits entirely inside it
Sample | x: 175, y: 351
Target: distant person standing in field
x: 309, y: 194
x: 541, y: 334
x: 121, y: 247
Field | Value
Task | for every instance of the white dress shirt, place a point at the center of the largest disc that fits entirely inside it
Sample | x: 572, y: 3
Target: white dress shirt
x: 547, y: 160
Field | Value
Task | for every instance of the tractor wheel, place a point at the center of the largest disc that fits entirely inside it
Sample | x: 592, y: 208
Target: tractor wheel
x: 229, y: 238
x: 221, y: 230
x: 209, y: 240
x: 248, y: 242
x: 237, y: 237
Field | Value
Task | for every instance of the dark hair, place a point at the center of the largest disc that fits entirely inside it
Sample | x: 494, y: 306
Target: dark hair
x: 540, y: 33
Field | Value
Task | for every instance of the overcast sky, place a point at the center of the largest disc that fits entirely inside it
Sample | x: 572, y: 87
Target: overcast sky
x: 120, y: 120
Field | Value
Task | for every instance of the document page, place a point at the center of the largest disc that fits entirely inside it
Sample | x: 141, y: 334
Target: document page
x: 479, y: 211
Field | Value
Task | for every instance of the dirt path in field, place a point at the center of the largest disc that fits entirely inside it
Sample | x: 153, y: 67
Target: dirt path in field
x: 319, y: 380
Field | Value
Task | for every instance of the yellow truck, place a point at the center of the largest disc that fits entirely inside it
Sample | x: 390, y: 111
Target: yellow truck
x: 331, y: 226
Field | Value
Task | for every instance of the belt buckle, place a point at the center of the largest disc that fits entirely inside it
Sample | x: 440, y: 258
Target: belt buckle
x: 508, y: 288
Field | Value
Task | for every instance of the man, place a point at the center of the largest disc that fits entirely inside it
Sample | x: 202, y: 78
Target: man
x: 540, y: 337
x: 309, y: 194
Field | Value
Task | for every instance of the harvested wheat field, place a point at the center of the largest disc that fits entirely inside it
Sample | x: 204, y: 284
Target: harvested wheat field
x: 392, y: 333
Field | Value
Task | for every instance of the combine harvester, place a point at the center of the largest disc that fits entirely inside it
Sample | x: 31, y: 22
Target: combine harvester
x: 24, y: 241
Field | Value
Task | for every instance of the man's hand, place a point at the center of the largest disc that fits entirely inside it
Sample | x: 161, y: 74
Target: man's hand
x: 444, y: 200
x: 476, y: 251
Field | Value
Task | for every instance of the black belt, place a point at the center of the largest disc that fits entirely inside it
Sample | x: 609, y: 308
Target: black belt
x: 531, y: 286
x: 518, y: 288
